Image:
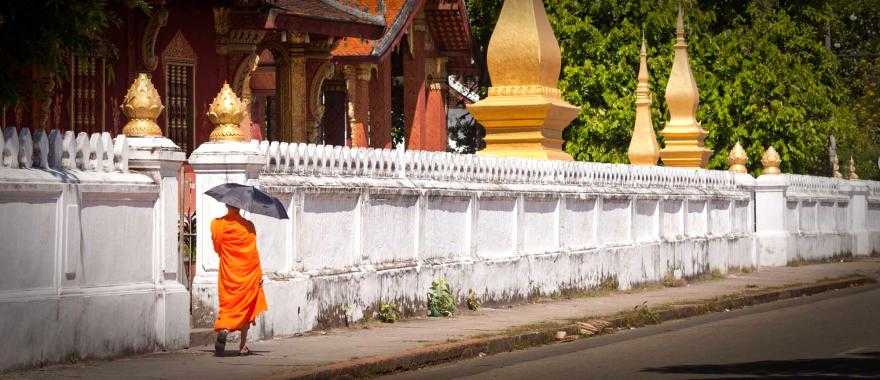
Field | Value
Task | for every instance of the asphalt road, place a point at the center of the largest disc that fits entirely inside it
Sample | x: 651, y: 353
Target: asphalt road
x: 828, y: 336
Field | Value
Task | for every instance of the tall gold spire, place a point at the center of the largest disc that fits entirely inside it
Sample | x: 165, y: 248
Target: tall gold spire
x: 643, y: 148
x: 524, y: 114
x: 683, y: 134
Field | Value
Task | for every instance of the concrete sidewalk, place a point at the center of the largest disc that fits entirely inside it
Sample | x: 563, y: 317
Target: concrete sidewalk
x: 296, y: 355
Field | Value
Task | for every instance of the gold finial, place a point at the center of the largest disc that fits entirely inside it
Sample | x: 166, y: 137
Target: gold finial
x: 683, y: 134
x: 226, y: 113
x: 142, y: 105
x: 643, y: 147
x: 737, y: 159
x: 524, y: 113
x: 771, y: 161
x: 852, y: 169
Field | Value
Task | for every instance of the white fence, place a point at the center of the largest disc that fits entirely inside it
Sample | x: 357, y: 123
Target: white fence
x: 81, y: 272
x: 370, y: 226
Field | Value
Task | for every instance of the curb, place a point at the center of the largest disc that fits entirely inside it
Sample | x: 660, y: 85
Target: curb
x: 470, y: 348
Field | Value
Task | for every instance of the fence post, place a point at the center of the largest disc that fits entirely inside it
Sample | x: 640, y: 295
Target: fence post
x: 215, y: 163
x: 159, y: 158
x: 858, y: 208
x: 770, y: 231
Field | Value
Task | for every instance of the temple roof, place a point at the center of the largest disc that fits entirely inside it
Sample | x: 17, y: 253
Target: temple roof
x: 447, y: 20
x: 330, y: 10
x: 328, y: 17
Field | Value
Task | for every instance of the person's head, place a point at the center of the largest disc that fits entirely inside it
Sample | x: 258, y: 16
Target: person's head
x: 232, y: 209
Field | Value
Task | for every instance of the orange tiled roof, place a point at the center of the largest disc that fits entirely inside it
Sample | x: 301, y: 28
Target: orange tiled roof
x: 350, y: 46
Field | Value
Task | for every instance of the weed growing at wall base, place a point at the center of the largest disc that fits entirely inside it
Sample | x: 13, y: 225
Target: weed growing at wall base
x: 440, y: 300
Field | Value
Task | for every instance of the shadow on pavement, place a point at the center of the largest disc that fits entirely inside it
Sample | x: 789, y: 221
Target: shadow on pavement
x: 862, y: 364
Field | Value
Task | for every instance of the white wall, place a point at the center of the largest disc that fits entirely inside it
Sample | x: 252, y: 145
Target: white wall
x: 79, y: 274
x: 371, y: 226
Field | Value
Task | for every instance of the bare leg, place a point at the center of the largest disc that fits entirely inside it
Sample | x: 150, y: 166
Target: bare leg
x: 242, y: 346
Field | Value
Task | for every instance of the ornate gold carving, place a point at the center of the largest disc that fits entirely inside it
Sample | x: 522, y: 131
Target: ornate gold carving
x: 142, y: 105
x: 435, y: 68
x: 243, y: 73
x: 297, y: 37
x: 179, y: 50
x: 737, y: 159
x: 643, y: 147
x: 299, y: 98
x: 683, y: 134
x: 148, y: 44
x: 524, y: 115
x: 222, y: 21
x: 226, y: 113
x: 852, y: 169
x: 324, y: 72
x: 771, y: 161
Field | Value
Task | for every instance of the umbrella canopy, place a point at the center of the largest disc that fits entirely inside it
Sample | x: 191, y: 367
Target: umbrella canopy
x: 248, y: 198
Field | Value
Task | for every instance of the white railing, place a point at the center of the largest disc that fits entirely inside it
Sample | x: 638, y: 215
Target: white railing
x: 325, y: 160
x: 96, y: 152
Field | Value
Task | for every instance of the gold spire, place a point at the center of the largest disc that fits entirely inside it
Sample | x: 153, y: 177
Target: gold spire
x: 852, y: 169
x: 643, y: 148
x: 737, y: 159
x: 683, y: 134
x: 771, y: 161
x: 142, y: 105
x: 524, y: 114
x: 226, y: 113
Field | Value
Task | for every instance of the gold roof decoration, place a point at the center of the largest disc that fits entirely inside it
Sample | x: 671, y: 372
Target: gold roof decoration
x: 683, y: 134
x: 524, y: 113
x: 771, y: 161
x: 852, y: 169
x: 142, y: 105
x: 643, y: 147
x: 226, y: 113
x: 737, y: 159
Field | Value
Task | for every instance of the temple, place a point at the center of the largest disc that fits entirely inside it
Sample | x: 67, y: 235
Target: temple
x: 351, y: 72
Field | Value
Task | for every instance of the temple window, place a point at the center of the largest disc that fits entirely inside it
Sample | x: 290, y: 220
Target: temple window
x: 180, y: 65
x: 181, y: 121
x: 87, y: 92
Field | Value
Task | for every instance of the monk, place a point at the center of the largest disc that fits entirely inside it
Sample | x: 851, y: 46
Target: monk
x: 240, y: 283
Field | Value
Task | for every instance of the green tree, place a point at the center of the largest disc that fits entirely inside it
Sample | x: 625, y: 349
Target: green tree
x: 36, y: 37
x: 763, y: 69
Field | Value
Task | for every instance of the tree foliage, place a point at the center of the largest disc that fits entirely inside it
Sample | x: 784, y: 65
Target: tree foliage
x: 36, y: 36
x: 765, y: 73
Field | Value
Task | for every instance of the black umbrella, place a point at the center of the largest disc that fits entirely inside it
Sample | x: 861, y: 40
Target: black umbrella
x: 248, y: 198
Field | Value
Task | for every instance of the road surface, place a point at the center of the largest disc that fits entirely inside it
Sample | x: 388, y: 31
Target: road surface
x: 832, y: 335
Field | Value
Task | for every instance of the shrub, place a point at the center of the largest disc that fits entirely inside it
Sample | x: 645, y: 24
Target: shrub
x: 440, y: 300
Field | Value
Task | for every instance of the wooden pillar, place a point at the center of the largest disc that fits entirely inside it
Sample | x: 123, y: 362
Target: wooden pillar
x: 357, y: 80
x: 380, y: 106
x: 434, y: 131
x: 414, y: 85
x: 290, y: 90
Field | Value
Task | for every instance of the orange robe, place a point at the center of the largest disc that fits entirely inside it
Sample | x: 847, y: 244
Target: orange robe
x: 239, y: 283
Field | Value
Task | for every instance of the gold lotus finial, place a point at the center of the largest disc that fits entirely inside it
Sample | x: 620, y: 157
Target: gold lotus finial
x: 771, y: 161
x: 679, y: 24
x: 142, y: 105
x: 737, y: 159
x: 852, y: 169
x: 226, y: 113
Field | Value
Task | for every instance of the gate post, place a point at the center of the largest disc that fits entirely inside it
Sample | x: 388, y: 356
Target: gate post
x: 160, y: 158
x: 770, y: 230
x: 215, y: 163
x: 858, y: 208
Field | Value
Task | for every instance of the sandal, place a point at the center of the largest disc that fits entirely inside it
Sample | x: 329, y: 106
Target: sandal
x: 245, y: 351
x: 220, y: 344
